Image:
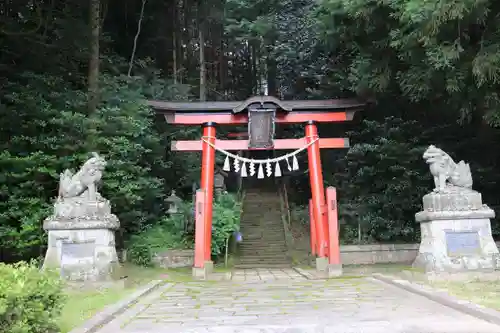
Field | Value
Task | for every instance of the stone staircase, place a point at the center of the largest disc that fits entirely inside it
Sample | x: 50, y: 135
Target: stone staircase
x: 263, y: 244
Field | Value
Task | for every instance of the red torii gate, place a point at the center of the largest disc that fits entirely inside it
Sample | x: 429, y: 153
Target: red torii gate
x: 261, y: 113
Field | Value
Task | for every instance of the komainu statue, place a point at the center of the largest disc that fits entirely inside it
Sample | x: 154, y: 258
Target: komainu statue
x: 78, y: 196
x: 445, y: 171
x: 84, y: 182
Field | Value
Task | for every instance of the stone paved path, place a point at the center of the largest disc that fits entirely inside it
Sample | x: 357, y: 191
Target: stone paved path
x: 285, y: 301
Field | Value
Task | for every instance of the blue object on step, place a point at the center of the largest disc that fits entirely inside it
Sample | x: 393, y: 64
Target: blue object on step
x: 238, y: 236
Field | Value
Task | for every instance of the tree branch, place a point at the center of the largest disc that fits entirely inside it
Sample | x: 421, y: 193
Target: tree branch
x: 139, y: 25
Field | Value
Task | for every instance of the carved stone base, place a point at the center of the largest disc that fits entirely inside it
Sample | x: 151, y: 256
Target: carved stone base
x: 70, y: 208
x: 82, y: 250
x: 456, y: 240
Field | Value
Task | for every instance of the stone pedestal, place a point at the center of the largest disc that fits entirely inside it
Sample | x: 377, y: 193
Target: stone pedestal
x: 455, y: 232
x: 204, y: 272
x: 82, y: 247
x: 327, y: 270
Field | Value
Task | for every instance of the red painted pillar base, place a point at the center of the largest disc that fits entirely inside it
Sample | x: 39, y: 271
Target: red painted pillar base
x: 333, y: 227
x: 199, y: 230
x: 317, y: 189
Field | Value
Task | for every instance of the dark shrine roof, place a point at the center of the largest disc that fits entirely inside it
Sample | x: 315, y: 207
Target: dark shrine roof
x: 258, y: 102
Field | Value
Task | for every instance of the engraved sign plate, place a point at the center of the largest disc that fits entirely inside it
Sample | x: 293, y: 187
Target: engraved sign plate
x: 77, y: 253
x: 261, y: 128
x: 462, y: 243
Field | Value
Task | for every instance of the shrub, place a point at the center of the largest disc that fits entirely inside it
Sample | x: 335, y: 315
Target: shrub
x: 30, y: 300
x: 225, y: 221
x: 170, y: 232
x: 176, y: 231
x: 152, y: 240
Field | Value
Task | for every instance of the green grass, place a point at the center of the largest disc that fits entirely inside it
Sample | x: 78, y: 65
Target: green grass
x: 480, y: 292
x: 376, y: 268
x: 83, y: 304
x: 486, y: 293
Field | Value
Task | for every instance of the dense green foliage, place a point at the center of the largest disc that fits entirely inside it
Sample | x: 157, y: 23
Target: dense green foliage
x: 56, y: 134
x: 30, y: 300
x: 226, y: 220
x: 382, y: 181
x: 176, y: 231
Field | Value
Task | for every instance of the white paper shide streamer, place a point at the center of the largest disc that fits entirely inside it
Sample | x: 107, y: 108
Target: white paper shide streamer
x: 262, y: 168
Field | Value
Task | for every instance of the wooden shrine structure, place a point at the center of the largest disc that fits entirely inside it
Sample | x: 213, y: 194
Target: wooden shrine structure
x: 261, y: 114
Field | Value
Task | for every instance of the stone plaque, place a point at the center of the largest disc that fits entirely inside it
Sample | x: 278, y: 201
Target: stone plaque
x: 261, y: 128
x: 462, y: 243
x: 73, y: 253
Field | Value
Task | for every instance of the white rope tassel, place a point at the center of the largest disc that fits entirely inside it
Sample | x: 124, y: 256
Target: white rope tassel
x: 227, y: 164
x: 252, y: 169
x: 236, y: 165
x: 288, y: 165
x: 277, y: 170
x: 244, y: 170
x: 295, y: 163
x: 260, y: 175
x: 269, y: 169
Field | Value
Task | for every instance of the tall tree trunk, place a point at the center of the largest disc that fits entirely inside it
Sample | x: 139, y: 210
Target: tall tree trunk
x: 174, y: 50
x: 203, y: 65
x: 136, y: 39
x: 222, y: 66
x: 93, y: 76
x: 255, y: 71
x: 272, y: 87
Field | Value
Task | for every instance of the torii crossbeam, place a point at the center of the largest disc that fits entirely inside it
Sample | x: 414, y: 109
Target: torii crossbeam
x: 261, y: 113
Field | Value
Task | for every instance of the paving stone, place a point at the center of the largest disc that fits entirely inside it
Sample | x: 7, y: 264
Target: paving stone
x: 291, y: 306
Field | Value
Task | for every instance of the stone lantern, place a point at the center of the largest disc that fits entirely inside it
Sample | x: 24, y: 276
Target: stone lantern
x: 219, y: 181
x: 173, y: 203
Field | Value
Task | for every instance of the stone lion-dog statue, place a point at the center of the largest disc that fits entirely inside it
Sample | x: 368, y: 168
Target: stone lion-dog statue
x: 84, y: 182
x: 445, y: 171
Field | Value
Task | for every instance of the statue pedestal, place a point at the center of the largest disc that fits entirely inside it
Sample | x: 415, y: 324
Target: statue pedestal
x: 83, y: 249
x: 456, y: 232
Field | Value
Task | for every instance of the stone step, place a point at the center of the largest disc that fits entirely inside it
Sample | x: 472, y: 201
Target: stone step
x: 264, y: 258
x: 262, y: 265
x: 267, y: 237
x: 263, y: 227
x: 259, y: 224
x: 263, y: 248
x: 264, y: 254
x: 264, y: 242
x: 263, y: 233
x: 244, y: 254
x: 248, y: 244
x: 261, y: 230
x: 252, y: 234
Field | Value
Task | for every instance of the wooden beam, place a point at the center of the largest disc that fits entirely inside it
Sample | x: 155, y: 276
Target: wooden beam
x: 279, y: 144
x: 238, y: 135
x: 228, y: 118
